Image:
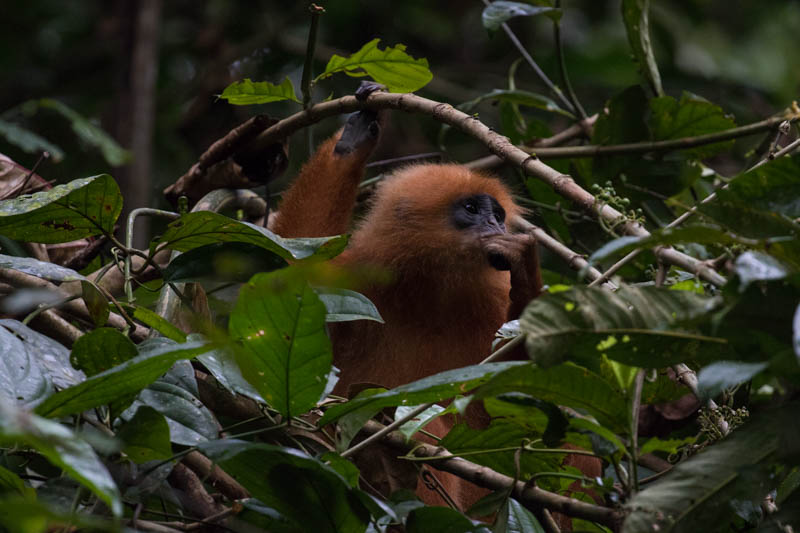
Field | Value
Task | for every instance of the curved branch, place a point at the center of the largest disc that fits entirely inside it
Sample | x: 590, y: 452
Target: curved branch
x: 499, y: 145
x: 530, y: 496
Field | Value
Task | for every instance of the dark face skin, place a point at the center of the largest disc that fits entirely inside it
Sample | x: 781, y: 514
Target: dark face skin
x: 483, y: 215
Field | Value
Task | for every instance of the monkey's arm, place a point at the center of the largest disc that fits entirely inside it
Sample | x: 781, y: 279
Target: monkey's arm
x: 320, y: 202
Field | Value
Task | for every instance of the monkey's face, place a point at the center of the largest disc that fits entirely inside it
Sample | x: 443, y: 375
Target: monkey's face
x: 480, y: 218
x: 479, y: 214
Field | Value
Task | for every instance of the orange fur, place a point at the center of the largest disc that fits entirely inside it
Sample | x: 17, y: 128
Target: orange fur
x: 444, y: 301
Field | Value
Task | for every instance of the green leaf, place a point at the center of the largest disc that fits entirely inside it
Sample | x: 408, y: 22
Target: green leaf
x: 669, y: 446
x: 36, y: 351
x: 62, y: 448
x: 410, y: 428
x: 204, y: 227
x: 27, y: 516
x: 120, y: 381
x: 520, y: 520
x: 566, y: 384
x: 155, y: 321
x: 519, y: 97
x: 720, y: 375
x: 28, y: 141
x: 499, y: 12
x: 635, y: 14
x: 40, y: 269
x: 264, y: 471
x: 441, y: 519
x: 92, y: 135
x: 691, y: 116
x: 78, y: 209
x: 434, y: 388
x: 189, y: 421
x: 248, y: 92
x: 696, y: 495
x: 755, y: 266
x: 353, y: 422
x: 224, y: 368
x: 392, y: 67
x: 101, y: 349
x: 344, y: 305
x: 223, y: 262
x: 504, y: 435
x: 22, y: 378
x: 284, y: 350
x: 11, y: 483
x: 146, y: 436
x: 96, y: 303
x: 637, y: 326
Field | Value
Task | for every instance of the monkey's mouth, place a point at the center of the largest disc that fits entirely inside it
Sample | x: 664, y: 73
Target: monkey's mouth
x: 499, y: 261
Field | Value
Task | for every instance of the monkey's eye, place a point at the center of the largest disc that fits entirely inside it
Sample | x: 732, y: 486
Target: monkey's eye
x: 471, y: 207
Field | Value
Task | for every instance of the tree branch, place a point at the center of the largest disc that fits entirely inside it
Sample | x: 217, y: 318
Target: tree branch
x: 530, y: 496
x: 563, y: 184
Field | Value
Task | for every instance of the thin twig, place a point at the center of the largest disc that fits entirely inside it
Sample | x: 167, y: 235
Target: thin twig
x: 539, y: 72
x: 659, y: 146
x: 562, y: 66
x: 315, y: 11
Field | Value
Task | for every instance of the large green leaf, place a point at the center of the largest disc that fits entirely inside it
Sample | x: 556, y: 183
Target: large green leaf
x: 90, y: 134
x: 699, y: 494
x: 146, y: 436
x: 202, y: 228
x: 223, y: 367
x: 344, y: 305
x: 638, y: 326
x: 100, y: 350
x: 29, y: 141
x: 635, y: 14
x: 62, y: 448
x: 50, y: 356
x: 762, y: 204
x: 441, y: 519
x: 719, y: 375
x: 189, y: 421
x: 78, y: 209
x: 496, y: 13
x: 120, y: 381
x: 565, y: 384
x: 505, y: 435
x: 310, y: 494
x: 689, y: 117
x: 438, y: 387
x: 155, y: 321
x: 283, y: 349
x: 248, y: 92
x: 21, y: 376
x: 221, y: 262
x: 392, y: 67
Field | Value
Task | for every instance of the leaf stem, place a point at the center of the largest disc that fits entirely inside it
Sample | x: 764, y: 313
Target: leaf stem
x: 539, y: 72
x: 315, y: 11
x: 562, y: 67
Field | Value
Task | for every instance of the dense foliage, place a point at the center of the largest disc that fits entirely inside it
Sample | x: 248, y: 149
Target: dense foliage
x: 186, y: 386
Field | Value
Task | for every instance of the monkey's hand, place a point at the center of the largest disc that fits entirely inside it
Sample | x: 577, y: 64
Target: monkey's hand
x: 519, y: 254
x: 363, y: 128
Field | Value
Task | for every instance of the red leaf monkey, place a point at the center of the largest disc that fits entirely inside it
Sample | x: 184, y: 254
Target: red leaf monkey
x: 457, y: 274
